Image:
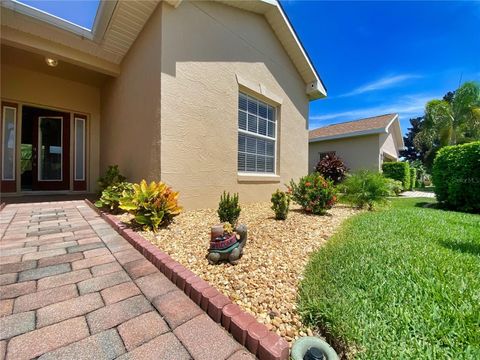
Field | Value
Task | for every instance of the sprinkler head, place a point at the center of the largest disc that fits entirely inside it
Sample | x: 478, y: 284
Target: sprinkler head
x: 314, y: 354
x: 312, y: 348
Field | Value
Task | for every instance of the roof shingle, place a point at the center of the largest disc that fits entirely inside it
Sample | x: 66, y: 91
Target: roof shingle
x: 351, y: 127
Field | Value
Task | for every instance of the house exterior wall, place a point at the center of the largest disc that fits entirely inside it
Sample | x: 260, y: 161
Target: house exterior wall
x: 29, y: 87
x: 205, y: 46
x: 360, y: 152
x: 131, y: 109
x: 388, y: 145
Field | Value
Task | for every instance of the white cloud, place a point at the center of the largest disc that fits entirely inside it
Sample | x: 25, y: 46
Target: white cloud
x: 380, y: 84
x: 407, y: 106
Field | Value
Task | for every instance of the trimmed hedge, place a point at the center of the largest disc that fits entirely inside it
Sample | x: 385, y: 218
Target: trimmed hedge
x: 398, y: 171
x: 413, y: 178
x: 456, y: 176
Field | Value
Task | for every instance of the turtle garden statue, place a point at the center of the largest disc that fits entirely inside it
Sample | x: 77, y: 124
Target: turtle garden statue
x: 227, y: 243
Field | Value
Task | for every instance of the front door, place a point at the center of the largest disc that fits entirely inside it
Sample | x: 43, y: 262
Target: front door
x: 50, y: 149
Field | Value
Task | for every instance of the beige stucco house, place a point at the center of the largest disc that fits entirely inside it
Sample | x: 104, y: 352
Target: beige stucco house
x: 362, y: 144
x: 206, y: 96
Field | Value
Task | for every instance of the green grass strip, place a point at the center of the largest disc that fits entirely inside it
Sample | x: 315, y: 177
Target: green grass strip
x: 402, y: 283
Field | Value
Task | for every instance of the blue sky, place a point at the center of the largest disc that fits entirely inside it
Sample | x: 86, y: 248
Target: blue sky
x: 79, y: 12
x: 382, y: 57
x: 374, y: 57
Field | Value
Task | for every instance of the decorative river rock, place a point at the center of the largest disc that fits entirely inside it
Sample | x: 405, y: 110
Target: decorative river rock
x: 226, y: 246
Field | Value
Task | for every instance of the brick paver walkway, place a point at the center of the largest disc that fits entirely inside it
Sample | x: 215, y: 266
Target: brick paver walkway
x: 72, y: 288
x: 418, y: 194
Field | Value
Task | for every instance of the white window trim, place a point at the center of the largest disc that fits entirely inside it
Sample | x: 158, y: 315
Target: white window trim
x: 83, y: 149
x: 246, y: 132
x: 257, y: 177
x: 14, y: 140
x: 39, y: 157
x: 243, y: 175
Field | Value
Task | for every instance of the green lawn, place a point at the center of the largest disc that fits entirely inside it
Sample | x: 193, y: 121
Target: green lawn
x: 402, y: 283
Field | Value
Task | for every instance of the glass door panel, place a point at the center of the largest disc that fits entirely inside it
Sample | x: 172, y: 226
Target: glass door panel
x: 8, y: 147
x: 8, y: 143
x: 79, y: 149
x: 50, y: 150
x: 79, y: 152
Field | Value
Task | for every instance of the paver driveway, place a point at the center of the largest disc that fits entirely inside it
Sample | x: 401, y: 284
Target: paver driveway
x: 72, y: 288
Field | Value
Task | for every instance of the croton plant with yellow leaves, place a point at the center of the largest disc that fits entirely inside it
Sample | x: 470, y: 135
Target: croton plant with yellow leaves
x: 153, y: 205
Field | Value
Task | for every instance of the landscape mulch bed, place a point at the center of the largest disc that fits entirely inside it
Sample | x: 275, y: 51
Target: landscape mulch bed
x: 265, y: 281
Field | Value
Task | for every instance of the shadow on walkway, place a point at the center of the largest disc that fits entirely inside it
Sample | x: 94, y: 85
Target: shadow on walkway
x: 45, y: 198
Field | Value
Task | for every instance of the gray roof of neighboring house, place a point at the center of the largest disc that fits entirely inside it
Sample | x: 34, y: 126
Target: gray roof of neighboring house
x: 372, y: 125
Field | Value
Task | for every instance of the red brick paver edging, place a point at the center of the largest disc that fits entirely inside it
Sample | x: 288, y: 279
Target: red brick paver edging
x: 256, y: 337
x: 71, y: 287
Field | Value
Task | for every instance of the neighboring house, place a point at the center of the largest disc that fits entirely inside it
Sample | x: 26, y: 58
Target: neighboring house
x: 362, y: 144
x: 206, y: 96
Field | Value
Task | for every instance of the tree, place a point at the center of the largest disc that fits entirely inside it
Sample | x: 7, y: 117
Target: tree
x: 448, y: 97
x: 411, y: 152
x: 419, y: 152
x: 453, y: 120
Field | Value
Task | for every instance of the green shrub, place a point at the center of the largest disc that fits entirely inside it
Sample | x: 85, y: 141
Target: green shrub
x: 280, y: 204
x: 456, y: 176
x: 314, y: 193
x: 228, y: 209
x: 395, y: 187
x: 421, y: 172
x: 332, y: 167
x: 111, y: 177
x: 111, y: 196
x: 413, y: 178
x: 398, y: 171
x: 153, y: 205
x: 366, y: 188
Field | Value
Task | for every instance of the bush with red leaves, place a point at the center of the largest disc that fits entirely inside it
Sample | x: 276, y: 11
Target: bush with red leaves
x: 332, y: 167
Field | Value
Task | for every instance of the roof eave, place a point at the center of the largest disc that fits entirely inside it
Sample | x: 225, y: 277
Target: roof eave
x: 102, y: 19
x: 278, y: 20
x: 348, y: 135
x: 398, y: 132
x: 315, y: 87
x: 29, y: 42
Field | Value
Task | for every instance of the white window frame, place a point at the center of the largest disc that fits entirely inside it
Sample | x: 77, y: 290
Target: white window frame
x: 14, y: 141
x: 258, y: 136
x: 83, y: 149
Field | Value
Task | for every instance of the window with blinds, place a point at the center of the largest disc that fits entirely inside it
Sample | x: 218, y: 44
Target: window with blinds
x: 256, y: 135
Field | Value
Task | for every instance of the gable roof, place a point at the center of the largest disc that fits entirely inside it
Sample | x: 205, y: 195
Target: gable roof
x: 372, y: 125
x: 283, y: 29
x: 117, y: 25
